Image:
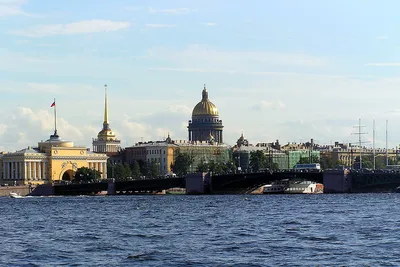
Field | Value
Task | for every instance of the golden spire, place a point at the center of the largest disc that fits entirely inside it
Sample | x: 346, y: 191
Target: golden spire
x: 105, y: 106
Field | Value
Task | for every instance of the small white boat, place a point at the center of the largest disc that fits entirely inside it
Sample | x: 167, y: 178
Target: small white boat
x: 15, y: 195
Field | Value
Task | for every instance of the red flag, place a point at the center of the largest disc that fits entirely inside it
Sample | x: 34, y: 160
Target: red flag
x: 52, y: 105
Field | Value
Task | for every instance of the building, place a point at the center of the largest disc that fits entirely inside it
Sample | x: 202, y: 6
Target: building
x: 53, y: 160
x: 288, y: 159
x: 164, y: 153
x: 106, y: 142
x: 204, y: 152
x: 160, y: 153
x: 205, y: 124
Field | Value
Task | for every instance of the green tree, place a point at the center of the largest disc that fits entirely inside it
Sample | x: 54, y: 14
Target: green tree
x: 258, y: 160
x: 136, y: 170
x: 202, y: 167
x: 154, y: 169
x: 182, y: 164
x: 231, y: 166
x: 85, y: 174
x: 144, y: 170
x: 326, y: 162
x: 122, y: 172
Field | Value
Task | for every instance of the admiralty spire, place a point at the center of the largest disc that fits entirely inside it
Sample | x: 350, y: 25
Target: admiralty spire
x: 106, y: 141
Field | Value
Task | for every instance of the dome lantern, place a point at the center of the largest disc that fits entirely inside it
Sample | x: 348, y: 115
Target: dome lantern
x: 205, y: 107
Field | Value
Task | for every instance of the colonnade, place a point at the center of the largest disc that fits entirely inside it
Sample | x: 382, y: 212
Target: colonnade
x: 99, y: 166
x: 104, y: 148
x: 25, y: 170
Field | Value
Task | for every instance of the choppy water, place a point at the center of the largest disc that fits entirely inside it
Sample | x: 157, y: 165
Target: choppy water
x: 232, y: 230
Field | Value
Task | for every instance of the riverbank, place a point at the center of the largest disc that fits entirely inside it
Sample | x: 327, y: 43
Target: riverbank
x: 21, y: 190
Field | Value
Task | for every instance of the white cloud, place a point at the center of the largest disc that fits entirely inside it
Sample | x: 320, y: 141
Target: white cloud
x: 47, y: 88
x: 384, y: 64
x: 160, y: 25
x: 11, y: 8
x: 200, y: 57
x: 80, y: 27
x: 170, y: 11
x: 26, y: 127
x: 263, y: 105
x: 210, y: 24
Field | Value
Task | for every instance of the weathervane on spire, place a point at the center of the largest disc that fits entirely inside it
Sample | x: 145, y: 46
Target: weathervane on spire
x: 105, y: 106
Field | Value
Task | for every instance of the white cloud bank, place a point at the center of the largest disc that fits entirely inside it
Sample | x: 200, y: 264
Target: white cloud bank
x: 12, y: 8
x: 80, y: 27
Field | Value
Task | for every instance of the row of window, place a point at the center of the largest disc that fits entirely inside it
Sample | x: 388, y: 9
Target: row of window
x: 207, y: 120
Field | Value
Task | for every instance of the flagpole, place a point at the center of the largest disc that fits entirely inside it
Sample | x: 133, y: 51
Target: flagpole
x: 55, y: 117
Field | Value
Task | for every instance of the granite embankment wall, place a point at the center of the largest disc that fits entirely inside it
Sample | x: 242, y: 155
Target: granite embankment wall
x: 22, y: 190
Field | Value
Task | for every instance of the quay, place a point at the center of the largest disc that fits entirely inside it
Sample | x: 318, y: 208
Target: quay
x: 22, y: 190
x: 335, y: 181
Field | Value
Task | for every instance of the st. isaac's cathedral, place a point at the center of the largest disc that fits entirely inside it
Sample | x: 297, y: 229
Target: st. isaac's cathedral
x: 205, y: 124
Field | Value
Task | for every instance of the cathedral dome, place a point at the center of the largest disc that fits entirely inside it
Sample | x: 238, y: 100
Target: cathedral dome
x: 205, y: 106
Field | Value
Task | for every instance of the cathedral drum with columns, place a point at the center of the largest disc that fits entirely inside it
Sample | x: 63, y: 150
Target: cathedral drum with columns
x: 205, y: 125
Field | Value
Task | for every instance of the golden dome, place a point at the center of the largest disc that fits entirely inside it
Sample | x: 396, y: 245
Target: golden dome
x: 205, y: 106
x: 106, y: 134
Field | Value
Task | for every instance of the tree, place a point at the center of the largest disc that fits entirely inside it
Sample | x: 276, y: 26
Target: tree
x: 136, y: 170
x: 143, y: 167
x: 122, y: 172
x: 85, y: 174
x: 203, y: 167
x: 182, y: 164
x: 326, y: 162
x: 154, y: 169
x: 258, y: 160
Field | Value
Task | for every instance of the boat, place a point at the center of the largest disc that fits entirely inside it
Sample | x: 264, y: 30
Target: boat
x: 293, y: 187
x: 15, y: 195
x: 304, y: 187
x: 273, y: 189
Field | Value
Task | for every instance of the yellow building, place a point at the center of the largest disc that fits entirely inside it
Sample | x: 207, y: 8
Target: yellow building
x: 52, y: 161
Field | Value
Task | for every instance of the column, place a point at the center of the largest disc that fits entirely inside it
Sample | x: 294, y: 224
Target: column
x: 13, y: 170
x: 4, y: 170
x: 40, y: 171
x: 20, y: 170
x: 28, y: 171
x: 44, y: 176
x: 101, y: 169
x: 25, y: 170
x: 105, y: 170
x: 34, y: 170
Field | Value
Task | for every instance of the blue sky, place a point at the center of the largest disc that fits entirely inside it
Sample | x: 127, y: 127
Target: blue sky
x: 287, y: 70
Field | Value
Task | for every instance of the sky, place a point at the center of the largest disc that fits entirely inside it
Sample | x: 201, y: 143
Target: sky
x: 288, y: 70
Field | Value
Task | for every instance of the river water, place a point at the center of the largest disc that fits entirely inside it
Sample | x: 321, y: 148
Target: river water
x: 180, y: 230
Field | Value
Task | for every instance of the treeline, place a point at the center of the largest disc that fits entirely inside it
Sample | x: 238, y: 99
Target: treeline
x: 183, y: 162
x: 138, y: 170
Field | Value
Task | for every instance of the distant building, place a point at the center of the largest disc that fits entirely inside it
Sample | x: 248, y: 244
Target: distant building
x: 160, y: 153
x: 205, y: 125
x: 53, y: 160
x: 106, y: 142
x: 163, y: 153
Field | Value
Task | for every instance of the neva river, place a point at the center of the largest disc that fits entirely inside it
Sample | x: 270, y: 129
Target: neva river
x: 173, y: 230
